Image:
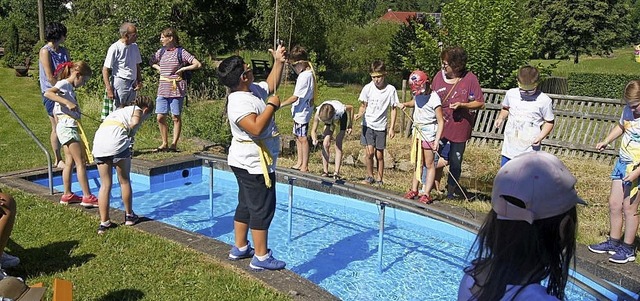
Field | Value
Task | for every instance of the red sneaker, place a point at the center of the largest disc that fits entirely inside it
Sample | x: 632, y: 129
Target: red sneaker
x: 71, y: 198
x: 425, y: 199
x: 411, y: 195
x: 90, y: 201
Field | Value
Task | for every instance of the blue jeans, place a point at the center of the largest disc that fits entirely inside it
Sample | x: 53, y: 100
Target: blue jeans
x: 454, y: 156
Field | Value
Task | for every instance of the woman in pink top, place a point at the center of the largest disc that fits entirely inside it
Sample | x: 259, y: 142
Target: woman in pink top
x: 460, y: 93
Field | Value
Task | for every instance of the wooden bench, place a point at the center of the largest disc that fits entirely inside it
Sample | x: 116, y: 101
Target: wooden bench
x: 261, y: 68
x: 580, y: 123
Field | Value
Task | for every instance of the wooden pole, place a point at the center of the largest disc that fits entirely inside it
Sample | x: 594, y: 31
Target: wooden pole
x: 41, y: 19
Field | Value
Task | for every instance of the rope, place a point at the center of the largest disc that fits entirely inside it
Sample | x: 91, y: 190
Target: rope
x: 416, y: 129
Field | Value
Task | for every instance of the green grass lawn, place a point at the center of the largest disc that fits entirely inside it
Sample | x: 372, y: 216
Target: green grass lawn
x: 621, y: 61
x: 58, y: 241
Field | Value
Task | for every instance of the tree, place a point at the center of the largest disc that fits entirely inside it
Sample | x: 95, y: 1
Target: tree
x: 415, y: 46
x: 574, y: 27
x: 497, y: 38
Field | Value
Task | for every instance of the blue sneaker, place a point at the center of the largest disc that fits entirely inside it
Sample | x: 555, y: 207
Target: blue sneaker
x: 268, y: 264
x: 608, y: 246
x: 623, y: 254
x: 236, y: 254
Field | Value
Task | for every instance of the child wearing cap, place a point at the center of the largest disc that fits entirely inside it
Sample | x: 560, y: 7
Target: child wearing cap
x: 529, y: 115
x: 529, y: 236
x: 253, y: 153
x: 428, y: 123
x: 376, y: 98
x: 328, y: 113
x: 301, y: 104
x: 623, y: 199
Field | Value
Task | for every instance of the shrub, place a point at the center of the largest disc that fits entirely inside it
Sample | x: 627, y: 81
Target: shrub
x: 210, y: 125
x: 598, y: 84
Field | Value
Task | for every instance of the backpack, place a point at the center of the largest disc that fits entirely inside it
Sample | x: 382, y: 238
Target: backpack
x: 186, y: 75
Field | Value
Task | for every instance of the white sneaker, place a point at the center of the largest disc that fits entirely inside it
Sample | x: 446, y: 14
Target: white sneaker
x: 8, y: 261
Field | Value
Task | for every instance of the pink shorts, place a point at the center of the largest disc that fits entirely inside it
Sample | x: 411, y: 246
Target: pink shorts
x: 428, y: 144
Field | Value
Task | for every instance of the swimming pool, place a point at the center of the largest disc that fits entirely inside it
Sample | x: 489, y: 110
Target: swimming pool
x: 334, y: 239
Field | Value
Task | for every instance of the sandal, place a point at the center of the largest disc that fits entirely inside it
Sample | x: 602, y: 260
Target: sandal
x: 425, y: 199
x: 336, y: 176
x: 325, y: 174
x: 411, y: 195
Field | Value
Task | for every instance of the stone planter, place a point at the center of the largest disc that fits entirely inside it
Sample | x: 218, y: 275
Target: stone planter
x: 21, y: 71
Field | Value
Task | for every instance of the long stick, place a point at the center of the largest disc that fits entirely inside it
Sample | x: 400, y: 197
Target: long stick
x: 413, y: 125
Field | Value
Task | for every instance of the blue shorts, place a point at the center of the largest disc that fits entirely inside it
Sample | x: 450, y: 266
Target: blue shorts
x: 300, y: 130
x: 48, y: 105
x: 445, y: 148
x: 123, y: 155
x: 164, y: 103
x: 620, y: 171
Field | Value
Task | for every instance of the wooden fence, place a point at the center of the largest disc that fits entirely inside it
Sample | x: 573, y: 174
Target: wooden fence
x: 580, y: 123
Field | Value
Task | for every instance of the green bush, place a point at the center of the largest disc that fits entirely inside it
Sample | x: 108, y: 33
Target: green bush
x: 598, y: 84
x: 204, y: 123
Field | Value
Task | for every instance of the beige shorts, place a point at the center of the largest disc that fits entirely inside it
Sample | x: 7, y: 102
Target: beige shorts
x: 67, y: 134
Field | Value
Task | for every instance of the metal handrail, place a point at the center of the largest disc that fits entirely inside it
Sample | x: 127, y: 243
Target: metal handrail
x: 33, y: 136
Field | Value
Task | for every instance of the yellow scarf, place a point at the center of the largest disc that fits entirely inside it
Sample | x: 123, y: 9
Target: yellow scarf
x: 174, y: 81
x: 416, y: 154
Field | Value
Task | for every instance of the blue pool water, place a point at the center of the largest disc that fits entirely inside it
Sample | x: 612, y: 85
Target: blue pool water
x: 334, y: 240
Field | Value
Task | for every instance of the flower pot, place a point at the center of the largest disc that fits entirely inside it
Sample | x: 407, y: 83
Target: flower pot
x: 21, y: 70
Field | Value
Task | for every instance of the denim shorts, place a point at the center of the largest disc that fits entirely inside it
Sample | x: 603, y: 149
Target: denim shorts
x: 48, y: 105
x: 123, y: 155
x: 163, y: 104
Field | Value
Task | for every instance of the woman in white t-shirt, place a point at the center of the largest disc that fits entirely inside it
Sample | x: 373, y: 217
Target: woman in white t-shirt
x: 112, y: 147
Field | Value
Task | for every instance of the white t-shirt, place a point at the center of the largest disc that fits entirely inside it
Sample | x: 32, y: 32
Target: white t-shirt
x: 378, y: 103
x: 530, y: 292
x: 524, y: 122
x: 66, y: 91
x: 243, y: 152
x: 337, y: 105
x: 630, y: 146
x: 123, y: 59
x: 301, y: 108
x: 111, y: 139
x: 424, y: 115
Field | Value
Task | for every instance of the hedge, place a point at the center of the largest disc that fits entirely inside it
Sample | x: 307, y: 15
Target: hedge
x: 598, y: 84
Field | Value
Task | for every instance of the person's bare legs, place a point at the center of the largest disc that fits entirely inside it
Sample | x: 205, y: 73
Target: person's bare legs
x: 260, y: 241
x: 368, y: 160
x: 55, y: 143
x: 431, y: 171
x: 616, y: 198
x: 177, y: 129
x: 66, y: 171
x: 76, y: 152
x: 240, y: 231
x: 302, y: 143
x: 338, y: 147
x: 630, y: 209
x: 8, y: 218
x: 164, y: 130
x: 326, y: 144
x: 104, y: 194
x: 380, y: 158
x: 123, y: 168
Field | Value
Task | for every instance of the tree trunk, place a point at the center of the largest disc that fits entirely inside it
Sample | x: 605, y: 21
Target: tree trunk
x: 575, y: 59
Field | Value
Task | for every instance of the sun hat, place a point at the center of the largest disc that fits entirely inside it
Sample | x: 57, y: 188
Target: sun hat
x: 541, y: 181
x: 14, y: 289
x: 418, y: 81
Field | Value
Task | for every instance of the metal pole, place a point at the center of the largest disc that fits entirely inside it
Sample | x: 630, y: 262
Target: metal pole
x: 290, y: 217
x: 211, y: 185
x: 381, y: 234
x: 33, y: 136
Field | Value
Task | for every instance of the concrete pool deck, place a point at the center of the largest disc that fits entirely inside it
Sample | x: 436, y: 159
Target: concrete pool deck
x: 589, y: 264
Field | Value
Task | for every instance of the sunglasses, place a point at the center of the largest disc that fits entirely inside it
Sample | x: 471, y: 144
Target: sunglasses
x: 246, y: 70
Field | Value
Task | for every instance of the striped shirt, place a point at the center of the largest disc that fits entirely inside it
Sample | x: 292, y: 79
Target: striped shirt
x: 168, y: 66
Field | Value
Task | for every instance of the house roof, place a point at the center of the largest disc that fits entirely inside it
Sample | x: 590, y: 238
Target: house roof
x: 398, y: 16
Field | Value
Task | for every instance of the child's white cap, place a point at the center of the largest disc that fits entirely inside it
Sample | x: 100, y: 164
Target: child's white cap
x: 541, y: 181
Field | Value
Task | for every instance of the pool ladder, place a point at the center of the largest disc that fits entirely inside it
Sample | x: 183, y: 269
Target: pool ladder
x: 33, y: 136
